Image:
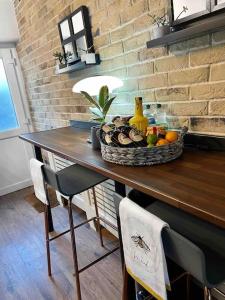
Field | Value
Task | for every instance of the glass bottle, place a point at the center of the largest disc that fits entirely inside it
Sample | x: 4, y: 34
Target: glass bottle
x: 138, y: 120
x: 148, y: 114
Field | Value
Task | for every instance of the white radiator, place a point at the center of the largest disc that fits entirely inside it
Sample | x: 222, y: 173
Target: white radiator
x: 85, y: 201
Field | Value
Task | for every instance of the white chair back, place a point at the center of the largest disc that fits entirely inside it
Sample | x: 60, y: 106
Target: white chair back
x: 38, y: 180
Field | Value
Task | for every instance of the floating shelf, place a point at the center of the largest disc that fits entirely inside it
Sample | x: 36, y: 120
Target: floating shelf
x: 77, y: 66
x: 206, y: 26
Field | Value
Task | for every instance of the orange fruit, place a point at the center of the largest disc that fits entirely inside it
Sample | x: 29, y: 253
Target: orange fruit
x: 162, y: 142
x: 171, y: 136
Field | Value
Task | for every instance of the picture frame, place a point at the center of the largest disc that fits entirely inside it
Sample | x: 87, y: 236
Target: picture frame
x: 65, y: 29
x: 70, y: 48
x: 217, y: 5
x: 196, y: 10
x: 80, y: 39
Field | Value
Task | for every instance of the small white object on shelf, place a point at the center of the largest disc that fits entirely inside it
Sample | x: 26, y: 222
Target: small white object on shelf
x: 88, y: 58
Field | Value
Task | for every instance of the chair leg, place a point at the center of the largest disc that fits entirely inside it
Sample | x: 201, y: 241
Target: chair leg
x: 74, y: 250
x: 47, y: 242
x: 188, y: 282
x: 207, y: 293
x: 97, y: 215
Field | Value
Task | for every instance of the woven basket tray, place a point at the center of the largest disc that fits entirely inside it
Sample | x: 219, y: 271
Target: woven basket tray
x: 143, y: 156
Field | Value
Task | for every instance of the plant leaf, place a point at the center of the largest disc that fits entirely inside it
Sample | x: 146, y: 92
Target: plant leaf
x: 90, y: 99
x: 103, y: 95
x: 107, y: 105
x: 96, y: 112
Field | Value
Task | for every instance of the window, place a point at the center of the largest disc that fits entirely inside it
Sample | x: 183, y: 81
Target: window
x: 8, y: 119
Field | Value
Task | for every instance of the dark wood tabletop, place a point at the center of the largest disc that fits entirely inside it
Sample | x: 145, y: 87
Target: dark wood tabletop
x: 195, y: 182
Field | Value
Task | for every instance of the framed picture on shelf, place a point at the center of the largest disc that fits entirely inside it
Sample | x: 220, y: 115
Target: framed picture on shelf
x: 65, y: 29
x: 217, y: 4
x: 70, y: 52
x: 75, y: 34
x: 81, y: 28
x: 184, y: 11
x: 78, y: 22
x: 81, y: 45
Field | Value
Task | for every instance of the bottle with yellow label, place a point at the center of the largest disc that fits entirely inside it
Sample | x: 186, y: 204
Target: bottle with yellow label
x: 138, y: 120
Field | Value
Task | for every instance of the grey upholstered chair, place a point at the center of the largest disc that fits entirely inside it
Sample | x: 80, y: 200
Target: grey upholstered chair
x: 69, y: 182
x: 193, y: 244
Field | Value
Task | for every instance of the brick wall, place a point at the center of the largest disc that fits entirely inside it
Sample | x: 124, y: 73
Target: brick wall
x: 188, y: 78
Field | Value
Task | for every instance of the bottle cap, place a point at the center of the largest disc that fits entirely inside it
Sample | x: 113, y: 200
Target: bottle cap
x: 138, y: 98
x: 147, y: 106
x: 159, y: 105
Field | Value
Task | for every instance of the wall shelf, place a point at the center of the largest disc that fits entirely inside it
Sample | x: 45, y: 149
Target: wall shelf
x: 206, y: 26
x: 75, y: 67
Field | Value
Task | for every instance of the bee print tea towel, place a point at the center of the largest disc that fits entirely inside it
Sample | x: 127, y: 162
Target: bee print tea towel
x: 143, y: 248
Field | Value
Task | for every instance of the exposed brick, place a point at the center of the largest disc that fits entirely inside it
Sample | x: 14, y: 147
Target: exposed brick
x: 207, y: 56
x: 140, y: 69
x: 134, y: 11
x: 189, y: 76
x: 217, y: 108
x: 172, y: 94
x: 158, y: 4
x: 217, y: 72
x: 131, y: 58
x: 150, y: 53
x: 171, y: 63
x: 177, y: 122
x: 136, y: 41
x: 188, y: 109
x: 147, y: 95
x: 122, y: 33
x: 110, y: 22
x: 142, y: 23
x: 153, y: 81
x: 102, y: 40
x: 215, y: 125
x: 111, y: 50
x: 209, y: 91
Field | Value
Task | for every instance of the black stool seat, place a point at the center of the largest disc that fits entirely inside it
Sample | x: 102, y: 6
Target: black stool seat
x: 72, y: 180
x: 209, y: 238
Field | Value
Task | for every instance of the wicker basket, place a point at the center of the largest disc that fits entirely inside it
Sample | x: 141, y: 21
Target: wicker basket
x: 143, y: 156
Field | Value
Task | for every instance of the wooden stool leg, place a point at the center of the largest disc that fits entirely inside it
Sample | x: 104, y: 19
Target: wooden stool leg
x: 207, y: 294
x: 74, y: 249
x: 97, y: 215
x: 188, y: 283
x: 128, y: 292
x: 47, y: 242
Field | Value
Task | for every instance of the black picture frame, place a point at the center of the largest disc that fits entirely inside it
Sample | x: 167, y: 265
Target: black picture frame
x: 83, y: 34
x: 215, y: 5
x: 190, y: 18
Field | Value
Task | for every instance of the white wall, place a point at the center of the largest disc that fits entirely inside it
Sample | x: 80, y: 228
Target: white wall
x: 9, y: 32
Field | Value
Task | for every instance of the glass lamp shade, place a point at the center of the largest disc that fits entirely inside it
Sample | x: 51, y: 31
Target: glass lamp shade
x: 92, y: 85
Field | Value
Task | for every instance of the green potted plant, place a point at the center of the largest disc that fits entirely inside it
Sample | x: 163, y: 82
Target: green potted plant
x: 62, y: 59
x: 101, y: 107
x: 163, y: 26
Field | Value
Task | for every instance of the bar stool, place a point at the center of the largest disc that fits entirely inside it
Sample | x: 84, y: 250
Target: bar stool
x: 195, y: 245
x: 69, y: 182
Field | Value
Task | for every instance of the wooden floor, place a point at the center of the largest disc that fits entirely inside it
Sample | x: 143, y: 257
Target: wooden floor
x: 23, y: 270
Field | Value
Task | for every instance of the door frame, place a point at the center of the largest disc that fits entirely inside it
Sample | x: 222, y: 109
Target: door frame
x: 13, y: 71
x: 18, y: 95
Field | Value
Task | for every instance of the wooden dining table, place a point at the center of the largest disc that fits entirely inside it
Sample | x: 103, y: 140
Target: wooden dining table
x: 195, y: 182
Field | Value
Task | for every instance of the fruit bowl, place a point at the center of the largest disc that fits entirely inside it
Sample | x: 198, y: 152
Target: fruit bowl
x: 142, y: 155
